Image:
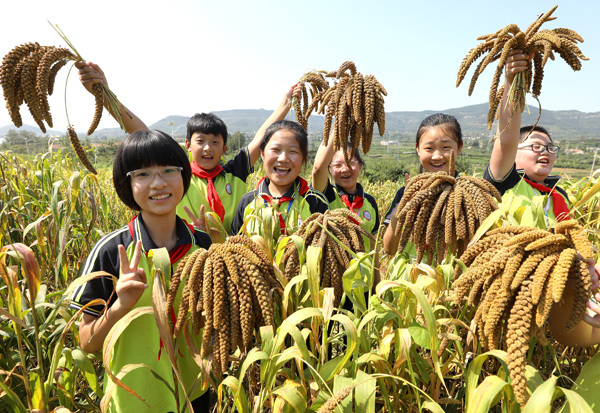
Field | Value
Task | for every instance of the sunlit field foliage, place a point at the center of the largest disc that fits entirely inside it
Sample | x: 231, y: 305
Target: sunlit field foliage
x: 404, y: 347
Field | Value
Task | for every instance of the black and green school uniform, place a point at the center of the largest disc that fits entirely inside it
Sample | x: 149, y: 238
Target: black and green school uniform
x: 518, y: 190
x: 360, y: 202
x: 230, y: 185
x: 140, y: 342
x: 299, y: 203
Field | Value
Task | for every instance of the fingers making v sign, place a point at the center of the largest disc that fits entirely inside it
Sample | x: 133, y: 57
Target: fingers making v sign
x: 132, y: 281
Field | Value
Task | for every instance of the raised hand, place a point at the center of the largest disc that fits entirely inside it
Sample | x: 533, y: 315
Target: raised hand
x: 90, y: 74
x: 516, y: 62
x: 132, y: 281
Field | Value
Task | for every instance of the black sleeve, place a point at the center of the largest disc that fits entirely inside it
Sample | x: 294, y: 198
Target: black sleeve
x: 106, y: 259
x: 329, y: 192
x: 240, y: 165
x: 316, y: 201
x: 202, y: 239
x: 238, y: 218
x: 395, y: 202
x: 373, y: 202
x: 511, y: 179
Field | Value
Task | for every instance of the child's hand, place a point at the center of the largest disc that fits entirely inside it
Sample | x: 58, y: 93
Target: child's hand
x: 516, y: 62
x: 295, y: 91
x: 197, y: 222
x: 89, y: 74
x: 200, y: 223
x: 591, y: 305
x: 132, y: 282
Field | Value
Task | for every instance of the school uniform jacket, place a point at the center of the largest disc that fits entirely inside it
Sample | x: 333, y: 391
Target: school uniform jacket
x: 301, y: 203
x: 140, y: 341
x: 230, y: 185
x: 517, y: 192
x: 368, y: 211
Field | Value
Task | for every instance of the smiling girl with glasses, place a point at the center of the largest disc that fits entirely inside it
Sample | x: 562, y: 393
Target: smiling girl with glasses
x: 345, y: 192
x: 151, y: 174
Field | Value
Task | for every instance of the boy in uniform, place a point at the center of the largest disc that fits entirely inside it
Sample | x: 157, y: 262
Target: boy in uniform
x: 214, y: 187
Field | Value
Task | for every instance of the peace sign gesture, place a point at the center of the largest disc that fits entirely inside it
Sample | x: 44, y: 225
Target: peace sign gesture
x: 132, y: 281
x: 200, y: 223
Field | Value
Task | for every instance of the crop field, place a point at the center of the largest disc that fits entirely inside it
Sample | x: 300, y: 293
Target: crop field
x: 406, y: 345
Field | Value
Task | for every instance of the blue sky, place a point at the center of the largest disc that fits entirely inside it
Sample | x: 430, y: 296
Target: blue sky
x: 183, y: 57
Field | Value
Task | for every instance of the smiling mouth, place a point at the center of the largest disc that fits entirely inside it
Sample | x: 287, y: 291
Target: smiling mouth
x: 437, y: 165
x: 281, y: 171
x: 543, y: 161
x: 159, y: 197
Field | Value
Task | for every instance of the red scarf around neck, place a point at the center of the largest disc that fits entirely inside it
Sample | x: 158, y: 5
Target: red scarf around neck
x: 213, y: 197
x: 276, y: 202
x: 560, y: 208
x: 357, y: 204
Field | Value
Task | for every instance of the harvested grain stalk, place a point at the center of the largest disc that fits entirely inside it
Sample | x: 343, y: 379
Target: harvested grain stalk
x: 355, y: 102
x: 541, y: 43
x: 439, y: 212
x: 519, y: 273
x: 331, y: 232
x: 227, y: 291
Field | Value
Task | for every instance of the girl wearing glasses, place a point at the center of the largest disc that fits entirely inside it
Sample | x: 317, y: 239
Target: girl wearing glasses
x: 151, y: 173
x: 345, y: 192
x: 523, y: 157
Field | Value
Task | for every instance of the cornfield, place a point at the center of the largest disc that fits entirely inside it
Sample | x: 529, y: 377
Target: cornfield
x: 403, y: 346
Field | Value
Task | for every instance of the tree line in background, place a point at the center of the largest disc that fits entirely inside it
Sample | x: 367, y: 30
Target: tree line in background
x: 384, y: 162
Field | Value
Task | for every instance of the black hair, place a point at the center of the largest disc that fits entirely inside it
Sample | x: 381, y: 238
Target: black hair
x: 448, y: 122
x: 206, y: 123
x: 356, y: 155
x: 143, y: 149
x: 292, y: 126
x: 525, y: 131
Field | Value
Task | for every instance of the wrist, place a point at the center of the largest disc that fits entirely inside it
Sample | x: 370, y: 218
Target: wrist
x: 118, y: 309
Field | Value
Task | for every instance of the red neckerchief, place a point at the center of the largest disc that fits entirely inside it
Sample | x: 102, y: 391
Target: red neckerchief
x: 357, y: 204
x: 213, y: 197
x: 270, y: 200
x: 560, y: 208
x: 175, y: 255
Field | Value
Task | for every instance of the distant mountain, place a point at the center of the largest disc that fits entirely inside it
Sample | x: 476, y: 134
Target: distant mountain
x: 4, y: 130
x: 563, y: 124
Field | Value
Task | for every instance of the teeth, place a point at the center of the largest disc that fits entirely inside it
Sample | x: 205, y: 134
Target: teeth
x: 161, y: 196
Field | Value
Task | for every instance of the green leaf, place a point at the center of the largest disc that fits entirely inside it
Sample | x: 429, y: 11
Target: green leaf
x: 576, y: 402
x: 12, y: 399
x: 485, y: 394
x: 35, y: 383
x: 294, y: 395
x: 81, y: 360
x: 313, y: 265
x: 420, y: 335
x: 588, y: 382
x: 364, y: 392
x: 541, y: 399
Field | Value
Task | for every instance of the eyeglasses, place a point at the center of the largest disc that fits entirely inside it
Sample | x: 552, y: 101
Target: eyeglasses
x: 538, y: 148
x: 338, y: 166
x: 146, y: 175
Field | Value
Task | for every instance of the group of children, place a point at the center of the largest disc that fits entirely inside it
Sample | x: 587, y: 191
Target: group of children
x: 153, y: 175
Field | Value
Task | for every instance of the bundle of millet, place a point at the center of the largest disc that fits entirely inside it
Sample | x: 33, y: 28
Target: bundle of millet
x: 318, y: 230
x: 228, y: 292
x: 515, y: 274
x: 541, y: 43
